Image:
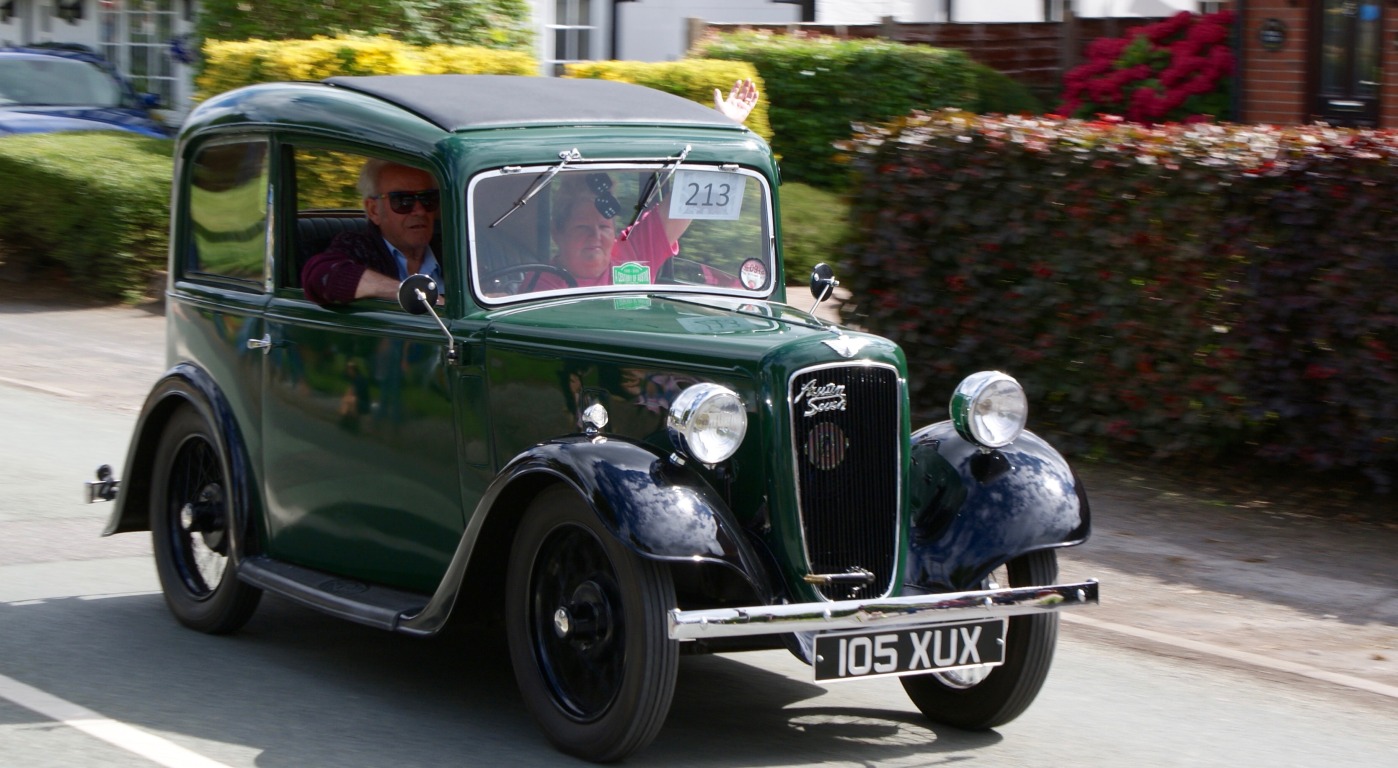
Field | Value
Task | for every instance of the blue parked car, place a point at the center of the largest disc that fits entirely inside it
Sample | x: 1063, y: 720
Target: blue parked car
x: 69, y: 88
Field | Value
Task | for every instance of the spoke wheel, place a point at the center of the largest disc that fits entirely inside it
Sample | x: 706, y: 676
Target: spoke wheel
x: 981, y: 698
x: 191, y: 529
x: 586, y: 623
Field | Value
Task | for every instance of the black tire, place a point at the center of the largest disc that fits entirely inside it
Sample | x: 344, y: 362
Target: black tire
x: 587, y: 631
x: 190, y: 521
x: 977, y: 702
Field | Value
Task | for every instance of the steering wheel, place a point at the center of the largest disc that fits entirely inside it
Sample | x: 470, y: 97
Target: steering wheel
x: 492, y: 278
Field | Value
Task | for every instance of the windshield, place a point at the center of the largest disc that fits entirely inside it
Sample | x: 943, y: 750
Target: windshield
x: 50, y: 81
x: 567, y: 229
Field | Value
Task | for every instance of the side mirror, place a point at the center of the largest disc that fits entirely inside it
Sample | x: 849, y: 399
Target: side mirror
x: 823, y: 282
x: 417, y: 294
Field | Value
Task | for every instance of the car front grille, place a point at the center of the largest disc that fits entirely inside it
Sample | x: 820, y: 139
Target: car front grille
x: 845, y: 426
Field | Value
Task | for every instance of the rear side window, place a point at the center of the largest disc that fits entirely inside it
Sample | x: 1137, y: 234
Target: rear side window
x: 228, y: 211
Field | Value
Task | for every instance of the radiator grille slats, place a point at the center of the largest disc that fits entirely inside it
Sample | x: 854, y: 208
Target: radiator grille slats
x: 845, y: 425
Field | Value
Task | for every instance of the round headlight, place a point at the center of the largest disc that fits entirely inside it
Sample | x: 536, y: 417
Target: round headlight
x: 708, y: 422
x: 989, y: 409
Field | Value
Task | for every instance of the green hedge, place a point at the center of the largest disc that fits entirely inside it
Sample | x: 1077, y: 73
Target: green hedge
x: 229, y: 65
x: 694, y: 79
x: 819, y: 86
x: 503, y: 24
x: 1186, y: 290
x: 86, y: 209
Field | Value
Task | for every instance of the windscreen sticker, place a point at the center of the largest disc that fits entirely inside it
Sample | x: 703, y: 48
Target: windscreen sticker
x: 630, y: 273
x: 707, y: 195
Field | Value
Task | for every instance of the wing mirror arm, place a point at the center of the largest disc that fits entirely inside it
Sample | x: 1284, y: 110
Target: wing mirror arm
x: 418, y: 295
x: 823, y: 284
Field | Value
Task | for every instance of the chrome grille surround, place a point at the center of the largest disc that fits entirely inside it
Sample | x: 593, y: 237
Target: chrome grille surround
x: 847, y: 458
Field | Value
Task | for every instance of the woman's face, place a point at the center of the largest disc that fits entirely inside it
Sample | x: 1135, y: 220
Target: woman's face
x: 584, y: 241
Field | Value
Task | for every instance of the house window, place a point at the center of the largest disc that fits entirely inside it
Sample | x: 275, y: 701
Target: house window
x: 136, y: 36
x: 575, y: 37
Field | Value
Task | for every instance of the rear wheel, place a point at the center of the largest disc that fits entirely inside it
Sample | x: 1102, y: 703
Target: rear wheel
x: 586, y: 623
x: 191, y: 528
x: 977, y: 699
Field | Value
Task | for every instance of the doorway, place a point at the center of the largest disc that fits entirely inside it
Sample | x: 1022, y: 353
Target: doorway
x: 1347, y: 61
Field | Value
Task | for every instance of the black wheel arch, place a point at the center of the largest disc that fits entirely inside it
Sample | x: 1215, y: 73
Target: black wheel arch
x: 658, y: 510
x: 972, y: 510
x: 184, y: 385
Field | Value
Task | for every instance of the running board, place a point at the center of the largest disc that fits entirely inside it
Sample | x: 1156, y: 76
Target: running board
x: 375, y: 606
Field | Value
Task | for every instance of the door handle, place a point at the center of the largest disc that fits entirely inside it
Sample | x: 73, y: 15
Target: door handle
x: 264, y: 343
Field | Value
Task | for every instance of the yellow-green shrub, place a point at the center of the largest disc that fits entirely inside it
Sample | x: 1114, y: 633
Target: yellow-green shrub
x: 693, y: 79
x: 232, y: 64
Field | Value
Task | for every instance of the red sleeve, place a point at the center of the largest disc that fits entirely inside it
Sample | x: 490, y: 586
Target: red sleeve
x: 332, y: 276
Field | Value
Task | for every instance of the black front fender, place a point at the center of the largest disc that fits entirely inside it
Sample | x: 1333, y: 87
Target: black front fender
x: 972, y: 510
x: 657, y: 509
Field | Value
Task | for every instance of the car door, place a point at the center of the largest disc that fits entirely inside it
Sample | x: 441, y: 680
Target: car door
x: 219, y: 287
x: 360, y: 449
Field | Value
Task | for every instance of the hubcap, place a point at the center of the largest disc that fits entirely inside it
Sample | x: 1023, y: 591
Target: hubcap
x: 577, y: 631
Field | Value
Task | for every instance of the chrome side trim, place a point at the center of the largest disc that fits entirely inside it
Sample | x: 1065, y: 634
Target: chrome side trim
x: 890, y: 612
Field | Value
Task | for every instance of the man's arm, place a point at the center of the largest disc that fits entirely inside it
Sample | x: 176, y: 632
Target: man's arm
x: 350, y: 268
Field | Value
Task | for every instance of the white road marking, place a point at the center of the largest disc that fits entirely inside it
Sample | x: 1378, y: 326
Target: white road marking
x: 121, y: 735
x: 1255, y: 659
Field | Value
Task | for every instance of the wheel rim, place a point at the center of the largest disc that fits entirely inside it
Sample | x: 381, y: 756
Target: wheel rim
x: 198, y: 522
x: 575, y: 623
x: 961, y: 679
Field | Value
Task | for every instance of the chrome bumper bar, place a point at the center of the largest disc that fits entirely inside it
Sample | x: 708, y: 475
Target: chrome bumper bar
x: 889, y: 612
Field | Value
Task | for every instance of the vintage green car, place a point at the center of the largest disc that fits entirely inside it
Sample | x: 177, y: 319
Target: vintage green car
x: 618, y: 468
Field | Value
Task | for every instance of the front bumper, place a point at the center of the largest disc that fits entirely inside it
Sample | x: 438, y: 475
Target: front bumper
x: 889, y: 612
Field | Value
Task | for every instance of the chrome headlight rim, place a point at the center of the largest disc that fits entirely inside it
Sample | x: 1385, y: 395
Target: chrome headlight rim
x: 692, y: 426
x: 982, y: 393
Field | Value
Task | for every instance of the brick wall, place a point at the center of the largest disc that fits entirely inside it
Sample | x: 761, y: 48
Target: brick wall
x: 1274, y: 82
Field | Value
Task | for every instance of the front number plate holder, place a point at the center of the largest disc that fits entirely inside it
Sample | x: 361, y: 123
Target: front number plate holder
x: 911, y: 651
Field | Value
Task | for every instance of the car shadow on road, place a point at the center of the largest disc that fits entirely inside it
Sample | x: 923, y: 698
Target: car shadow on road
x: 298, y: 688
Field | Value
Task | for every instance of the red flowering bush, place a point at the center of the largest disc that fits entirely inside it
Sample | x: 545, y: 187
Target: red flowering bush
x: 1175, y: 70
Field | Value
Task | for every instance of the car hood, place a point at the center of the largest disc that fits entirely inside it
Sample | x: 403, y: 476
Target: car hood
x: 704, y: 329
x: 54, y: 119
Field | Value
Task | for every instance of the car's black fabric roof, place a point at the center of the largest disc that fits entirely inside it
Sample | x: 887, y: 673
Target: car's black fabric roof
x: 457, y: 102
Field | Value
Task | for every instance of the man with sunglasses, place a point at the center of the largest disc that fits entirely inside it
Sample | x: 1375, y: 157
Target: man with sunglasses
x: 401, y: 204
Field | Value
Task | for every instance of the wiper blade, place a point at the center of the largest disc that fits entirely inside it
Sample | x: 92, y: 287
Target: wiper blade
x: 657, y: 184
x: 539, y: 185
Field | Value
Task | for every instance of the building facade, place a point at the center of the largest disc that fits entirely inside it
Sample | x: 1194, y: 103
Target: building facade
x: 1327, y: 60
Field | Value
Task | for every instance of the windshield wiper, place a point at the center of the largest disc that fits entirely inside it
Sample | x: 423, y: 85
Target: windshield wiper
x: 657, y: 183
x: 565, y: 157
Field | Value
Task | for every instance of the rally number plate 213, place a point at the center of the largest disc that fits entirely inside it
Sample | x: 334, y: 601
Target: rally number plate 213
x: 936, y: 648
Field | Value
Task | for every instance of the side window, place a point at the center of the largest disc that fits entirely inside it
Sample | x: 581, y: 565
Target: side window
x: 228, y: 211
x: 328, y: 201
x: 326, y: 179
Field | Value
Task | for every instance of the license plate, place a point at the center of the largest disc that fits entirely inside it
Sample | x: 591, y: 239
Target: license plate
x: 854, y: 655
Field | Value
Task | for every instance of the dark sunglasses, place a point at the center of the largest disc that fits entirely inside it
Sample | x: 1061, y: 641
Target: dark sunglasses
x: 403, y: 202
x: 601, y: 185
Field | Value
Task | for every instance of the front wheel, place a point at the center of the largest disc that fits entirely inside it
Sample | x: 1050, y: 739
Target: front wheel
x: 586, y: 624
x: 191, y: 526
x: 977, y: 699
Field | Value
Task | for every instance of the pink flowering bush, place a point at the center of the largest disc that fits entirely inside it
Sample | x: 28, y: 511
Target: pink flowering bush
x: 1176, y: 70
